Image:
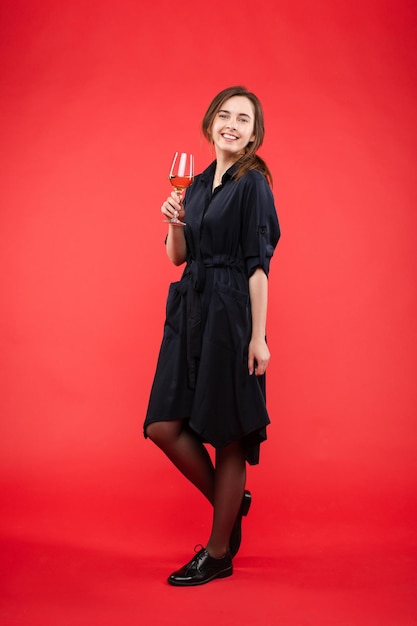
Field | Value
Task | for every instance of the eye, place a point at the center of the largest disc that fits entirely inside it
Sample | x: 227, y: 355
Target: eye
x: 243, y: 119
x: 223, y: 116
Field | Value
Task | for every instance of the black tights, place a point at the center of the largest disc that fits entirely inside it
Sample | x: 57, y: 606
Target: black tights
x: 222, y: 485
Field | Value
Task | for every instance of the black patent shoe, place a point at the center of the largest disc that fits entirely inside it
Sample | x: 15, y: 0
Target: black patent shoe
x: 236, y: 536
x: 202, y: 569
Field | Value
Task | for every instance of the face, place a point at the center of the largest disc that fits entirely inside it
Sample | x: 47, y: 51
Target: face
x: 233, y: 125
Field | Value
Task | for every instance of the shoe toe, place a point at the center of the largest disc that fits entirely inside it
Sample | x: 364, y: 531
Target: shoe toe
x: 202, y: 569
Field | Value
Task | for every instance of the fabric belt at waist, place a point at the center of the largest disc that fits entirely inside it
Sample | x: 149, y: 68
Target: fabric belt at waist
x: 196, y: 272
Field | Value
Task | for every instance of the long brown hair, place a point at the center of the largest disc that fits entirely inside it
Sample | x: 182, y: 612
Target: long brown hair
x: 250, y: 160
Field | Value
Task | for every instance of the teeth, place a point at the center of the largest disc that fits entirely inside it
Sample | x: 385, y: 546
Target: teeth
x: 228, y: 136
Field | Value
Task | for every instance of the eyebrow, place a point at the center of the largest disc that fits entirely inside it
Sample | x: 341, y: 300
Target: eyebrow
x: 226, y: 111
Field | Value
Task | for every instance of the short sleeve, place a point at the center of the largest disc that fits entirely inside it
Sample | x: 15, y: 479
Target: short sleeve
x: 260, y: 226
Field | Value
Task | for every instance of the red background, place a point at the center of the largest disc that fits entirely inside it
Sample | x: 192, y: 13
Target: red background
x: 95, y: 99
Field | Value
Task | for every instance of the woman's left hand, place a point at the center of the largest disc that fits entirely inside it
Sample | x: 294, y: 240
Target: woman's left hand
x: 258, y: 357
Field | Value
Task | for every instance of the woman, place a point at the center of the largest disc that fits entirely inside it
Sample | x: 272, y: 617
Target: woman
x: 209, y: 385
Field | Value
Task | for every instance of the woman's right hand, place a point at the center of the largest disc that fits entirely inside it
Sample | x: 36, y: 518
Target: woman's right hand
x: 172, y: 207
x: 176, y: 246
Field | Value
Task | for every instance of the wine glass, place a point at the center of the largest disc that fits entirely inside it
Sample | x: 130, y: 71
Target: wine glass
x: 181, y: 176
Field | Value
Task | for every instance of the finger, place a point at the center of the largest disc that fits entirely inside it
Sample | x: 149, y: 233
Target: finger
x: 167, y: 210
x: 176, y: 196
x: 170, y: 207
x: 260, y: 368
x: 174, y: 206
x: 251, y: 365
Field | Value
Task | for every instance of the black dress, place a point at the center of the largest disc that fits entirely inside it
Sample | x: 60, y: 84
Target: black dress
x: 202, y: 371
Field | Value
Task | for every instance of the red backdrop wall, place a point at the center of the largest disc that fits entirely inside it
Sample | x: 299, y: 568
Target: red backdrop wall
x: 95, y: 98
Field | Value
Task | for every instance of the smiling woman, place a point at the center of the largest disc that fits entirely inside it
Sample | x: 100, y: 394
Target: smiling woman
x: 216, y: 314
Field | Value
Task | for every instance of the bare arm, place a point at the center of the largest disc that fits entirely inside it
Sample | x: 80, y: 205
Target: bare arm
x: 259, y: 354
x: 176, y: 246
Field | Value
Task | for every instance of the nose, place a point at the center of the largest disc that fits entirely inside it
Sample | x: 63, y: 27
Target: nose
x: 232, y: 123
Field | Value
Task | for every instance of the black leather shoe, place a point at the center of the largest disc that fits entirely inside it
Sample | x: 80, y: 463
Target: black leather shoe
x: 236, y: 536
x: 202, y: 569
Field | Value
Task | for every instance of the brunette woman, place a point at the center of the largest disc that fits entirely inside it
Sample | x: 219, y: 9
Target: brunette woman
x: 209, y: 386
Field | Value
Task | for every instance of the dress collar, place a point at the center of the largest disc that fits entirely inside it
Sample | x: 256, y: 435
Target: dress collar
x: 208, y: 174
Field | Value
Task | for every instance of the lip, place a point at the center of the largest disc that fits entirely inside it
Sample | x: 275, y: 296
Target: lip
x: 229, y: 137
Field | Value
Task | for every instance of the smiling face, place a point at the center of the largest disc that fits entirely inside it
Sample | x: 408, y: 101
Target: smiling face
x: 233, y: 126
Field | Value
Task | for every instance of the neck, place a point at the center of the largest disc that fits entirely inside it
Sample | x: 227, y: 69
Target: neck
x: 223, y: 162
x: 222, y: 165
